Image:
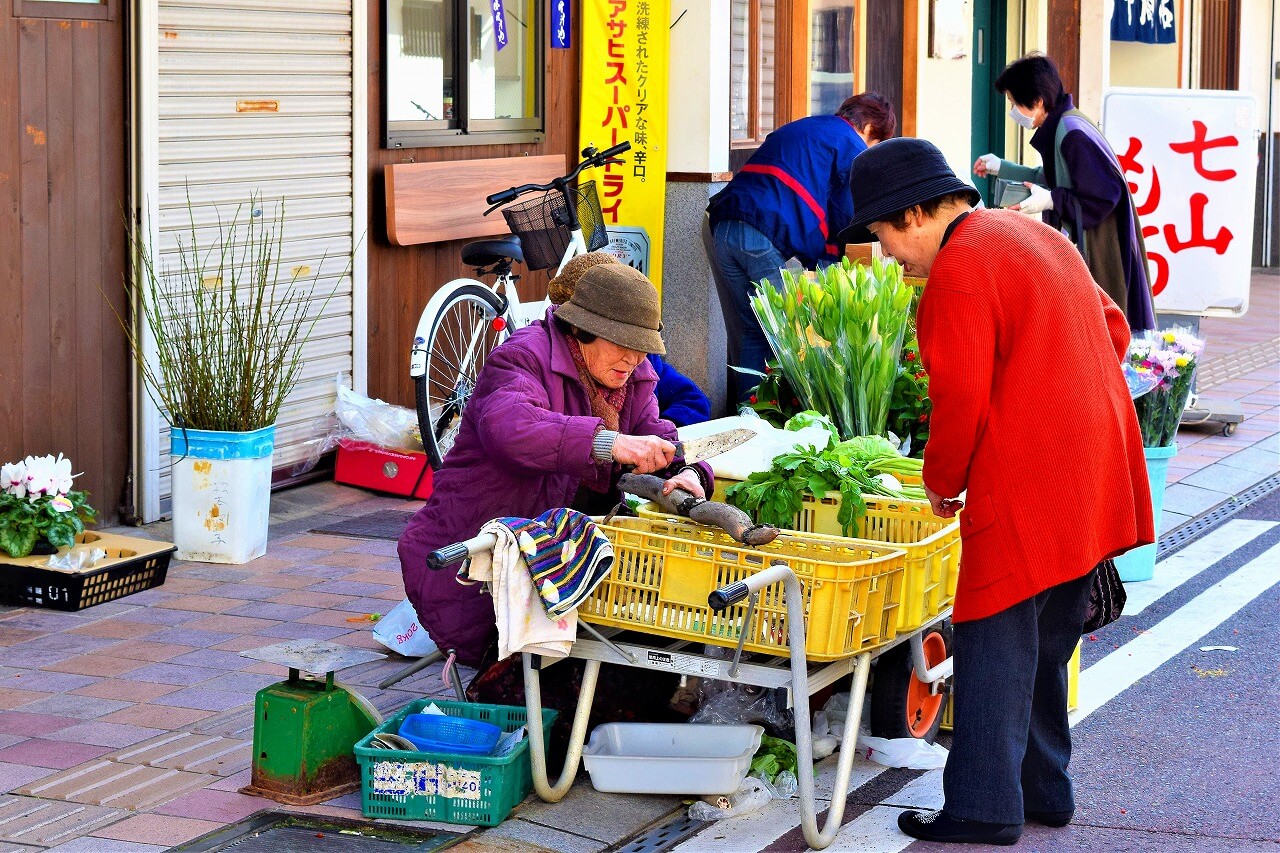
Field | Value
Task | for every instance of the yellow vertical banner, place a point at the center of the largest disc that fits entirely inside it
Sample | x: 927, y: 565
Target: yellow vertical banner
x: 625, y: 45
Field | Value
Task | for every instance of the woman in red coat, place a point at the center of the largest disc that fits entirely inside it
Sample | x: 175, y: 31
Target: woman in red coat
x: 1033, y: 424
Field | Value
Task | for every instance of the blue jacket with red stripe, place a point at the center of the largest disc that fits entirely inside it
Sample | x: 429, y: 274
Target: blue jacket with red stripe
x: 795, y: 188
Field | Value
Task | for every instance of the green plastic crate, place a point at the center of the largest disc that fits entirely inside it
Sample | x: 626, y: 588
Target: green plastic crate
x: 477, y: 789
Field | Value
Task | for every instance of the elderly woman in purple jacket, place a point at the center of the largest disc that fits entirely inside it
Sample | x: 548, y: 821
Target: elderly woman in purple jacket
x: 557, y: 410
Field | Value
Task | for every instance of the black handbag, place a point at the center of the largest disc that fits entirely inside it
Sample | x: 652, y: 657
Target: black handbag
x: 1106, y: 597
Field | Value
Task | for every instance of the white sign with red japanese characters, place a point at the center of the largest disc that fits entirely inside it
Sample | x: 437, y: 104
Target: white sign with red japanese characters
x: 1191, y: 159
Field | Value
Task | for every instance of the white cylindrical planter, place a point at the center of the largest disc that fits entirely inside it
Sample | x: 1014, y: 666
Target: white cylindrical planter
x: 221, y: 493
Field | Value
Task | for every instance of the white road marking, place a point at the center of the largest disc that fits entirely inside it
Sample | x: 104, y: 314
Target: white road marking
x: 1176, y: 570
x: 876, y: 830
x: 1142, y: 655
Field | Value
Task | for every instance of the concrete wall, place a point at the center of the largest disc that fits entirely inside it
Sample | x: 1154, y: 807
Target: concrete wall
x: 944, y: 113
x: 1144, y: 65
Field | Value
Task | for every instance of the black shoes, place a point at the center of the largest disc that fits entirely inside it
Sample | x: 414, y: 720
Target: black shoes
x: 1053, y: 819
x: 941, y: 827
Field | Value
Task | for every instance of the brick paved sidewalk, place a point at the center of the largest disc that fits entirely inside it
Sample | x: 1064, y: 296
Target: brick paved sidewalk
x: 1241, y: 365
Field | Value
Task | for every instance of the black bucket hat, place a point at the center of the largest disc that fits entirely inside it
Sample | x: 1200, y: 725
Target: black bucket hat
x: 894, y: 175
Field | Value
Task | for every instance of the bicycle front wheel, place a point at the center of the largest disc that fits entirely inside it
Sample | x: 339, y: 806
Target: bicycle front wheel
x: 468, y: 326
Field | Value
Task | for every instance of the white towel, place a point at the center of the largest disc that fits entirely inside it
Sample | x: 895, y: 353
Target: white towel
x: 523, y: 623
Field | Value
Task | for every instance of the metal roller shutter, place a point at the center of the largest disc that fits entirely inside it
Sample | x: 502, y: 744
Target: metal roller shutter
x: 243, y: 96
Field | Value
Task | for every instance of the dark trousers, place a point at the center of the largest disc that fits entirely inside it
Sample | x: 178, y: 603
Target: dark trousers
x: 1012, y: 741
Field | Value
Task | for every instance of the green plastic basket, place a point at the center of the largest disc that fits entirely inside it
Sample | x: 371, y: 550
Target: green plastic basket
x: 468, y: 789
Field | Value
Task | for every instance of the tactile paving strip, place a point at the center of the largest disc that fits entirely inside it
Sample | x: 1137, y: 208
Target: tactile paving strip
x: 25, y: 820
x: 1224, y: 368
x: 236, y: 723
x: 195, y: 753
x: 110, y: 783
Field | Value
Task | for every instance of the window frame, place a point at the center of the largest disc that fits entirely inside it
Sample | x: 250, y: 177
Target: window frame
x: 424, y: 133
x: 754, y: 137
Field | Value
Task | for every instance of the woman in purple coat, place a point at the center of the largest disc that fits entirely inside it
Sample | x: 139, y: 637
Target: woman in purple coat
x: 557, y: 410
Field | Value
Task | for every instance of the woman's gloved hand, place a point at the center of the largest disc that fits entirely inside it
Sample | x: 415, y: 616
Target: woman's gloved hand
x: 646, y: 453
x: 686, y: 480
x: 1040, y: 201
x: 987, y: 164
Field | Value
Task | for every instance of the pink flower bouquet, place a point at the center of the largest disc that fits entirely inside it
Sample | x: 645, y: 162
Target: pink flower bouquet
x: 1168, y: 358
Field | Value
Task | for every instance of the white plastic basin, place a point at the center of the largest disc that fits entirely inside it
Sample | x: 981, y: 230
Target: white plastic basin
x: 670, y: 758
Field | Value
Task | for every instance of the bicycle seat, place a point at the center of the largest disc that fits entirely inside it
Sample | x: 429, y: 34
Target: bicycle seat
x: 482, y: 253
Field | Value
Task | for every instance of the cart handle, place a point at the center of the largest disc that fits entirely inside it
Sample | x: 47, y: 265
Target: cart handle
x: 730, y: 594
x: 458, y: 551
x: 727, y: 596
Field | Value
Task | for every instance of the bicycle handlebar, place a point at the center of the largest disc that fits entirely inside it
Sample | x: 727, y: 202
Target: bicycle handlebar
x: 590, y: 161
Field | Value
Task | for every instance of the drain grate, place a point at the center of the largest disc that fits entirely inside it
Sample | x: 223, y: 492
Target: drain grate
x: 664, y: 836
x: 276, y: 832
x: 1184, y: 534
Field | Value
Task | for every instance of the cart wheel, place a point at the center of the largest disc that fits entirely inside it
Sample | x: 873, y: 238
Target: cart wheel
x: 1228, y: 429
x: 901, y: 704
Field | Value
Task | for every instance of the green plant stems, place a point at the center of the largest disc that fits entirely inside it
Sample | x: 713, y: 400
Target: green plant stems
x: 228, y: 327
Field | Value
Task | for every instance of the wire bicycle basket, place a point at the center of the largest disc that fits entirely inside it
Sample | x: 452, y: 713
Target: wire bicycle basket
x: 543, y: 225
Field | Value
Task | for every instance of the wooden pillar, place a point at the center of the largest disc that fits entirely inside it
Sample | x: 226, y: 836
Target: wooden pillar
x: 1064, y: 41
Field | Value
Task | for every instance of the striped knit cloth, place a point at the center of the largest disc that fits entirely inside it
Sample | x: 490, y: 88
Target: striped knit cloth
x: 567, y: 556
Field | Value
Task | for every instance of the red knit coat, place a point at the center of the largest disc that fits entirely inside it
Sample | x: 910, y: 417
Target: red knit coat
x: 1031, y: 413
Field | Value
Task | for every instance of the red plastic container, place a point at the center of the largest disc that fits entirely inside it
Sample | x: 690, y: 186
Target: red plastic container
x: 370, y: 466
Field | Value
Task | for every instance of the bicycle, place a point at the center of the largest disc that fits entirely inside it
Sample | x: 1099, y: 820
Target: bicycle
x: 467, y: 319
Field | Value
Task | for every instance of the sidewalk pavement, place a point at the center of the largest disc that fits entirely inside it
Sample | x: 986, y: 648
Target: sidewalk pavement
x: 86, y: 699
x: 1241, y: 365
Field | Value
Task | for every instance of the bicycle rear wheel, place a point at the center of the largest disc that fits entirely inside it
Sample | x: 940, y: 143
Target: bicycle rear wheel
x: 468, y: 326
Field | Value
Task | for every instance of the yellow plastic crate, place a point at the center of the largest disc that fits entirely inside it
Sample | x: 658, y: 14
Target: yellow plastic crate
x: 664, y: 570
x: 1073, y: 691
x: 932, y: 546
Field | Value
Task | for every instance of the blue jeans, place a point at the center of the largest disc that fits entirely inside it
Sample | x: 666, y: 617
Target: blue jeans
x: 744, y: 256
x: 1012, y: 740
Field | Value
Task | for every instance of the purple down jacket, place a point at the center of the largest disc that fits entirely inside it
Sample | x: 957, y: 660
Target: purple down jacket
x: 523, y: 448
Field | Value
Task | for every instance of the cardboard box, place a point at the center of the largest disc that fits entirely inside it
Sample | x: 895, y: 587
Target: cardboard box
x: 371, y: 466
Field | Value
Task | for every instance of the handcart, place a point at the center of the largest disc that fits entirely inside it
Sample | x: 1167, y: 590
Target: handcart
x: 676, y: 587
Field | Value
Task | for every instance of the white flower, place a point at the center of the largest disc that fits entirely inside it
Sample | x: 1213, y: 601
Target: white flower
x: 13, y: 479
x: 62, y: 504
x: 40, y: 476
x: 62, y: 475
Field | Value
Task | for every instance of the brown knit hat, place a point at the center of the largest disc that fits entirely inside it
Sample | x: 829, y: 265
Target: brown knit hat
x: 617, y: 303
x: 560, y: 288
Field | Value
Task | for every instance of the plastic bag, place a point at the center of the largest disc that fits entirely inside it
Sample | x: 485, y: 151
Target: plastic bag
x: 373, y: 420
x: 401, y: 632
x: 752, y: 795
x: 77, y: 559
x: 828, y: 734
x: 357, y: 416
x: 727, y: 702
x: 907, y: 752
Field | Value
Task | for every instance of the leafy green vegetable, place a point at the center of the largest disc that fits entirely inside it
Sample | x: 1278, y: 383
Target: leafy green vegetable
x: 851, y: 468
x: 773, y: 757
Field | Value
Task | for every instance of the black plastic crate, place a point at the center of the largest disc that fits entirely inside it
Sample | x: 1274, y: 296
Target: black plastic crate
x: 132, y: 565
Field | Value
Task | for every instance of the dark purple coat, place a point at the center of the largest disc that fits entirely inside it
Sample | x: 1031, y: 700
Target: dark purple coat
x: 523, y: 448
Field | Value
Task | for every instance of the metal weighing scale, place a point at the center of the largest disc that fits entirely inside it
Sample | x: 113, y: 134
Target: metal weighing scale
x: 305, y: 728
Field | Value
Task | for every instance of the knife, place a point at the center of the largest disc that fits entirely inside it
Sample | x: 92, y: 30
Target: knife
x: 698, y: 449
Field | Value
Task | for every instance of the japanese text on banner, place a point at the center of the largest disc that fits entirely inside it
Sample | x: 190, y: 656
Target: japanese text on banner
x: 624, y: 99
x: 1190, y: 163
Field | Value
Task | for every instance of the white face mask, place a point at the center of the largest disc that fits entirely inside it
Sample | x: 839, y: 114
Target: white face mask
x: 1021, y: 119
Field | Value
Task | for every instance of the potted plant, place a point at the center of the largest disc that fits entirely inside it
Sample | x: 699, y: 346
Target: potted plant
x: 1161, y: 366
x: 218, y: 340
x: 39, y: 511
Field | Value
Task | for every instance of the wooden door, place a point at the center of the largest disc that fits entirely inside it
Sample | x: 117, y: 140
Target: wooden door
x: 64, y: 378
x: 1220, y: 45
